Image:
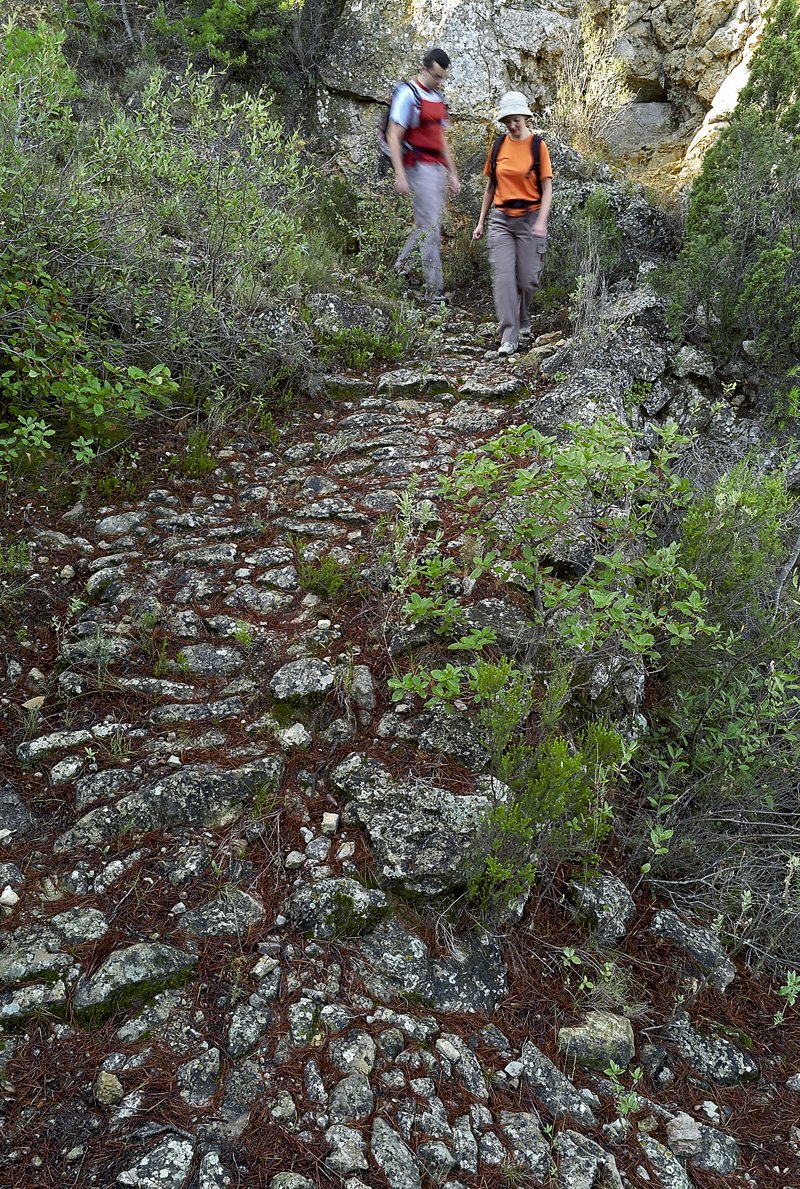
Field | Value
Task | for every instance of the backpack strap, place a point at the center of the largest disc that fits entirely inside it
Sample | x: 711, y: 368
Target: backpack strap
x: 496, y: 147
x: 536, y: 155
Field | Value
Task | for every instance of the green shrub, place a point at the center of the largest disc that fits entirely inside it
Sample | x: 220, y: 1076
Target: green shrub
x: 738, y: 276
x: 246, y: 34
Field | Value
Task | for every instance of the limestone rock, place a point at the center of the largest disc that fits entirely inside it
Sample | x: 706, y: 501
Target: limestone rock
x: 351, y: 1099
x: 701, y: 944
x: 528, y: 1145
x: 669, y: 1171
x: 303, y: 681
x: 583, y: 1164
x: 334, y: 907
x: 229, y: 914
x: 134, y: 973
x: 607, y: 905
x: 398, y: 1163
x: 107, y: 1089
x: 712, y: 1057
x: 348, y: 1150
x: 552, y: 1088
x: 422, y: 836
x: 192, y: 796
x: 398, y: 961
x: 353, y: 1053
x: 164, y: 1167
x: 705, y: 1147
x: 600, y: 1039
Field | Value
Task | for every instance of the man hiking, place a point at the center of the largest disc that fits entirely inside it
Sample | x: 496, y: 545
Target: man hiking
x: 423, y: 166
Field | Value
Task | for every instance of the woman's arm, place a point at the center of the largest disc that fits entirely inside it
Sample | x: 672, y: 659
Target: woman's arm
x: 540, y: 225
x: 488, y: 196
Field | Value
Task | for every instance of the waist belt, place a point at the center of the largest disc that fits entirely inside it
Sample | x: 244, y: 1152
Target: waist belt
x: 517, y: 204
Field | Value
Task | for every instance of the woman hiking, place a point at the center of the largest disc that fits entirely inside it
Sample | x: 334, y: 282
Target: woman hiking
x: 520, y: 191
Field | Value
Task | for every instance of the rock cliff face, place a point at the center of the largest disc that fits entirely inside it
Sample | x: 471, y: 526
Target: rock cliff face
x: 685, y: 61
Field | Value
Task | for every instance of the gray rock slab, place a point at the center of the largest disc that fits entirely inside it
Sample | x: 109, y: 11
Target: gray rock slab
x: 248, y: 1025
x: 397, y: 963
x: 164, y: 1167
x: 670, y: 1172
x: 704, y: 1147
x: 291, y: 1180
x: 118, y: 525
x: 208, y: 660
x: 212, y: 1173
x: 230, y: 914
x: 599, y: 1039
x: 34, y: 951
x: 437, y: 1160
x: 198, y: 1078
x: 606, y: 904
x: 700, y: 943
x: 712, y: 1057
x: 423, y: 837
x: 137, y: 972
x: 515, y: 632
x: 303, y: 681
x: 583, y: 1164
x: 21, y: 1003
x: 351, y: 1099
x: 354, y: 1052
x: 393, y: 1157
x: 465, y: 1064
x: 15, y: 816
x: 552, y: 1087
x: 529, y: 1148
x: 348, y: 1150
x: 336, y: 907
x: 193, y: 796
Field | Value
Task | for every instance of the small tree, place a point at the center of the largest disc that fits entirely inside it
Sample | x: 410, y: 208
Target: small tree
x: 738, y: 276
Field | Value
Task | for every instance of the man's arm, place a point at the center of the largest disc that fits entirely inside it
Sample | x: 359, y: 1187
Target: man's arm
x: 452, y: 172
x: 540, y: 225
x: 394, y: 139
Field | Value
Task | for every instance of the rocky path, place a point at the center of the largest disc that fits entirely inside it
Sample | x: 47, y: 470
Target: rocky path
x: 218, y: 966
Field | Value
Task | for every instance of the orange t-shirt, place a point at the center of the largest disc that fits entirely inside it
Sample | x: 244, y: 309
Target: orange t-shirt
x: 515, y: 177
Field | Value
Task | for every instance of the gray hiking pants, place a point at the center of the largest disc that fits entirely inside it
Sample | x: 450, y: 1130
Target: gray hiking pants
x: 428, y: 185
x: 516, y: 258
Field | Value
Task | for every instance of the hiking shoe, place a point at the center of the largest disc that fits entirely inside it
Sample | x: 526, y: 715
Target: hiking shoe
x: 524, y: 333
x: 506, y: 349
x: 439, y: 298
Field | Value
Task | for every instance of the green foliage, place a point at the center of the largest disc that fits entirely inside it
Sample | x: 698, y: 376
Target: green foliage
x: 722, y: 815
x: 734, y: 538
x: 246, y: 34
x: 149, y: 243
x: 198, y: 460
x: 357, y: 346
x: 738, y: 275
x: 324, y: 576
x: 584, y: 242
x: 530, y: 500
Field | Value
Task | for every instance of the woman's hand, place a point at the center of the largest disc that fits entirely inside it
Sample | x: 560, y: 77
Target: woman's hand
x: 453, y: 182
x: 478, y: 232
x: 540, y: 228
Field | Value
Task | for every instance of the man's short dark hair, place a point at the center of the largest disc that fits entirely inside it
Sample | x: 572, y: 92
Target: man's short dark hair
x: 438, y: 56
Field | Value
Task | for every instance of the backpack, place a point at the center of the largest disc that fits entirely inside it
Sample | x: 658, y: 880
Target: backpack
x: 536, y: 158
x: 383, y: 129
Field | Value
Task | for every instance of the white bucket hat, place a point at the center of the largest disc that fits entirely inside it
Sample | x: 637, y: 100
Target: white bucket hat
x: 513, y: 103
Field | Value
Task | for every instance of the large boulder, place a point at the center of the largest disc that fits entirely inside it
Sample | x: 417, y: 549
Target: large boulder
x: 424, y: 838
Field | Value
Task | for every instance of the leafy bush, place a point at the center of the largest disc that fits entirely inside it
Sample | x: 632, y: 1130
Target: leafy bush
x: 151, y: 244
x: 246, y: 34
x: 738, y: 276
